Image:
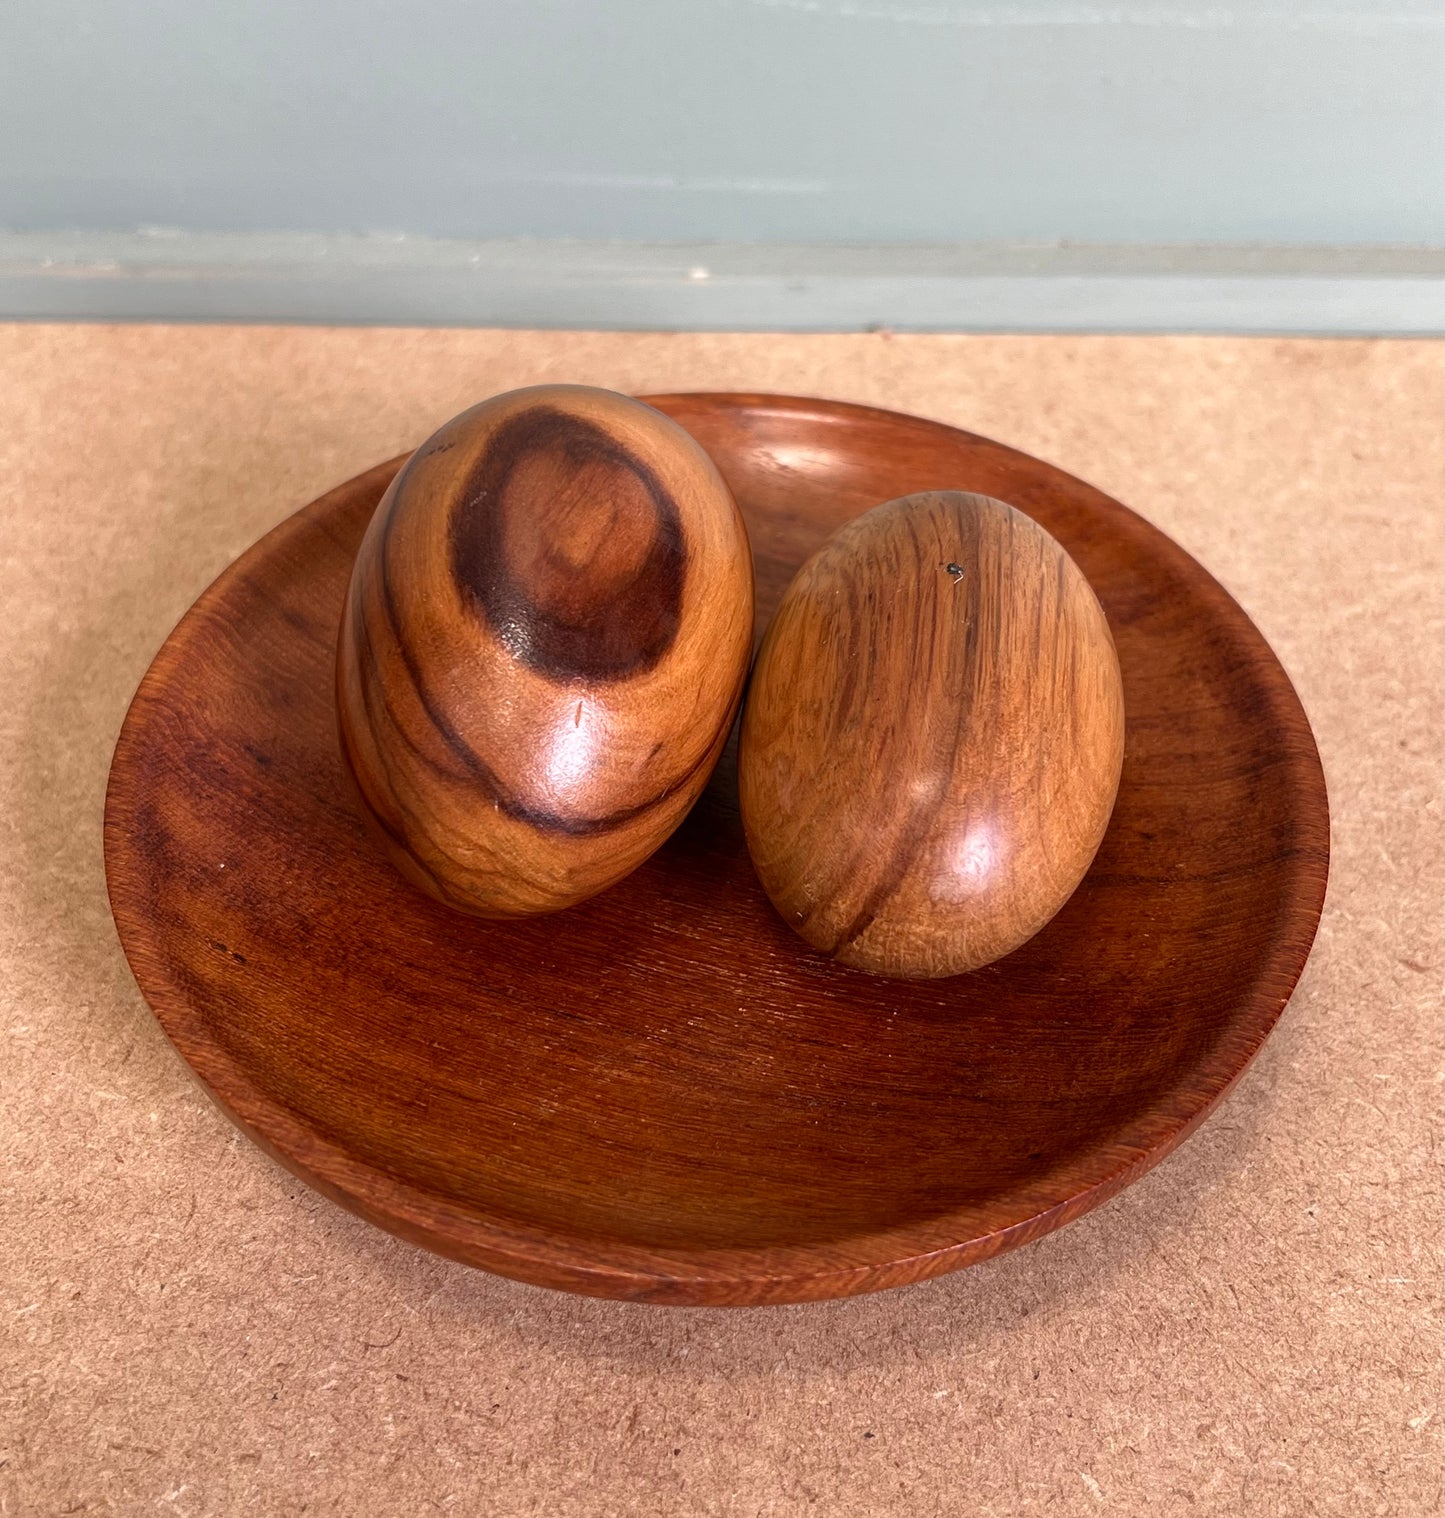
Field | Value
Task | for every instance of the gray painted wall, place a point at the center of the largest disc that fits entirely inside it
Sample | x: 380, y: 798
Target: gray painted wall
x: 1287, y: 121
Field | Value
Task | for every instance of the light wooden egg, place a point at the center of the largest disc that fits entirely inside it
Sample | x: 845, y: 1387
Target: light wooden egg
x: 933, y: 737
x: 543, y: 648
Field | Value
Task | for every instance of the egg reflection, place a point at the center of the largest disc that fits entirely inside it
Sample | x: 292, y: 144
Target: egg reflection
x: 572, y: 753
x: 977, y: 858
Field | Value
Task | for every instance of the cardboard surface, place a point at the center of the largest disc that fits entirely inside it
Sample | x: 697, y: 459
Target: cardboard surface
x: 1252, y: 1329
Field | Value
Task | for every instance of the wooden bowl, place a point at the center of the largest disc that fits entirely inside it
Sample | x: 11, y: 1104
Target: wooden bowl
x: 662, y: 1094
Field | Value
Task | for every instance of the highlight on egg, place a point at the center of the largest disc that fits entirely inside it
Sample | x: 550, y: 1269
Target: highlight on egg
x: 543, y: 647
x: 933, y: 737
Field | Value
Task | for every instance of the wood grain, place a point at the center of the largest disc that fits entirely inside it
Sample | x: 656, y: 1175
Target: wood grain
x: 662, y: 1094
x: 543, y: 648
x: 932, y: 739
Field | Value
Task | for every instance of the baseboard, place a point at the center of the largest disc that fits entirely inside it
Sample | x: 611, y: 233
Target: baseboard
x: 160, y: 275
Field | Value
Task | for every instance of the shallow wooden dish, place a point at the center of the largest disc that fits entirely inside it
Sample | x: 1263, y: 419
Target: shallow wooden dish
x: 662, y: 1094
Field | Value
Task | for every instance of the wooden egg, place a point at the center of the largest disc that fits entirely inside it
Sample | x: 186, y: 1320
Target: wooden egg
x: 543, y: 647
x: 933, y: 737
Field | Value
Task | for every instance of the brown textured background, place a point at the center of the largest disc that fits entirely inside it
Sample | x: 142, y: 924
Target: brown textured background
x: 1253, y: 1329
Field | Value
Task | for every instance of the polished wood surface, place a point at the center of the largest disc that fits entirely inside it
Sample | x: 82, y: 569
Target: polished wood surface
x: 662, y: 1094
x: 543, y: 648
x: 932, y: 738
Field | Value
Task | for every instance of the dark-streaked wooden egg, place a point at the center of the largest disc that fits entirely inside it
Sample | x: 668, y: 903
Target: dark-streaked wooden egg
x: 543, y: 649
x: 933, y: 737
